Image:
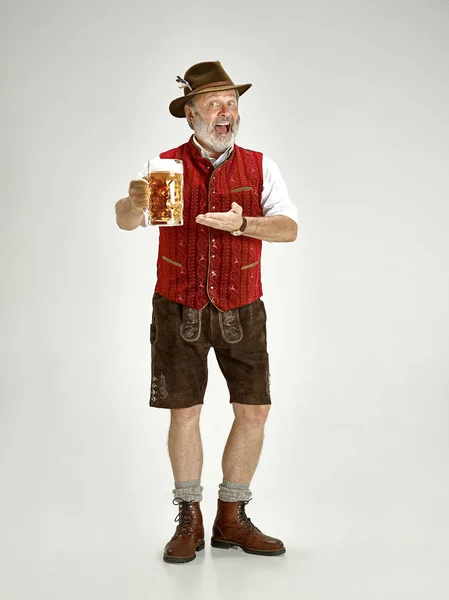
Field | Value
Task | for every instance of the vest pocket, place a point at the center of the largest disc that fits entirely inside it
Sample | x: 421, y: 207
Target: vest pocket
x: 172, y: 262
x: 251, y: 265
x: 241, y: 189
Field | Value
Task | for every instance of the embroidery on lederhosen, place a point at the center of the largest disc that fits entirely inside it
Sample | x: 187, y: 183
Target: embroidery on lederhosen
x: 231, y: 330
x: 163, y: 391
x: 158, y: 388
x: 268, y: 383
x: 190, y: 329
x: 153, y: 390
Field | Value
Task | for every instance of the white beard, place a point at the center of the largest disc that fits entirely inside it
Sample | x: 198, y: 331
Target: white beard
x: 217, y: 141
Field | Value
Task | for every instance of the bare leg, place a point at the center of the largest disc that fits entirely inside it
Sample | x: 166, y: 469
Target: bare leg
x: 241, y: 455
x: 244, y: 445
x: 184, y: 443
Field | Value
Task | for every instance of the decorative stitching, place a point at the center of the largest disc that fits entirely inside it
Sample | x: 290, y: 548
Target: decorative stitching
x: 163, y: 391
x: 231, y: 330
x: 190, y: 329
x: 153, y: 390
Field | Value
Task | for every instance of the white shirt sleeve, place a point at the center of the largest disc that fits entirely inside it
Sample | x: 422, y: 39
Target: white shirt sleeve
x: 275, y: 199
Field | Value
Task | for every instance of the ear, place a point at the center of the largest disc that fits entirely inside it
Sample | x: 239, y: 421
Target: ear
x: 188, y: 113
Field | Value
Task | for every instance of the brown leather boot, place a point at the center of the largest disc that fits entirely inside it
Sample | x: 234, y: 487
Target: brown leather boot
x: 232, y: 527
x: 189, y: 534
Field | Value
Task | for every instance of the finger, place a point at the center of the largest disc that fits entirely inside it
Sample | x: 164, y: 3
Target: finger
x: 136, y: 193
x: 215, y: 215
x: 139, y: 197
x: 207, y: 219
x: 140, y: 200
x: 141, y: 184
x: 140, y: 206
x: 212, y: 223
x: 203, y: 222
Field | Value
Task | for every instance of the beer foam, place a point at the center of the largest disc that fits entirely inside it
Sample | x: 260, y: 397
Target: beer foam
x: 166, y: 164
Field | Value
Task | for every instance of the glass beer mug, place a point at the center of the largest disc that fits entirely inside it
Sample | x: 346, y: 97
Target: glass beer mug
x: 165, y: 179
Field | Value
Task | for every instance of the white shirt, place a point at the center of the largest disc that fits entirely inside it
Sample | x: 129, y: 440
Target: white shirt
x: 275, y: 199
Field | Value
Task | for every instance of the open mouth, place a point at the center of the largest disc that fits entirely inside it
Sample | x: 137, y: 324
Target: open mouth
x: 222, y: 128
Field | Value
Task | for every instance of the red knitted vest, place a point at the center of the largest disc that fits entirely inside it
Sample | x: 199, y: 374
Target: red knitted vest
x: 198, y: 264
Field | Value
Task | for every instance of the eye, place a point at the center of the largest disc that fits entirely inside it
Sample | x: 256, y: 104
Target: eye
x: 213, y: 103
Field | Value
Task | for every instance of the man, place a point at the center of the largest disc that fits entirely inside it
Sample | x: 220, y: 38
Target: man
x: 208, y: 294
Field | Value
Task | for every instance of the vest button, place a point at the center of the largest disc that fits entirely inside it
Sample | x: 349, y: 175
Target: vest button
x: 211, y: 287
x: 213, y: 255
x: 213, y: 191
x: 213, y: 207
x: 213, y: 239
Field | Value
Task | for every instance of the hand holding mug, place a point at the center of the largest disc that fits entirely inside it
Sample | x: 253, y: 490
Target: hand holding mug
x: 139, y: 194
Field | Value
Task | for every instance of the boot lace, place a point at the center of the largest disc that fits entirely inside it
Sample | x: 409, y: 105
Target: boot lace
x: 243, y: 518
x: 184, y: 518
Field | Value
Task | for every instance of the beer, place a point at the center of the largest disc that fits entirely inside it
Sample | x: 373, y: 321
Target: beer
x: 166, y: 187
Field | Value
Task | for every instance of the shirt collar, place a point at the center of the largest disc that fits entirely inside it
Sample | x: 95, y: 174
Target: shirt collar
x: 215, y: 161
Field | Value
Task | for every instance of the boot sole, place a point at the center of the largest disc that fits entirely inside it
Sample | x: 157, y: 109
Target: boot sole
x: 227, y: 545
x: 184, y: 559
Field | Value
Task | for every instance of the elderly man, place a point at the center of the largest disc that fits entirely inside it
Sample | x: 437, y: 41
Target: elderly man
x: 208, y: 295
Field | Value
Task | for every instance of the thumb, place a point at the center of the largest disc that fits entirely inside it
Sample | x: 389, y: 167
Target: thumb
x: 236, y: 208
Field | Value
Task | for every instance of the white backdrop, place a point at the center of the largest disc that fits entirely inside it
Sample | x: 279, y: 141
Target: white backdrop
x: 351, y: 99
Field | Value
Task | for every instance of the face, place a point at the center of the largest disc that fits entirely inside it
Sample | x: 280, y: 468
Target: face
x: 215, y: 119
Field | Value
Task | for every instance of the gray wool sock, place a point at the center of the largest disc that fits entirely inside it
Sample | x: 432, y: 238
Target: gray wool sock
x: 233, y: 492
x: 190, y: 491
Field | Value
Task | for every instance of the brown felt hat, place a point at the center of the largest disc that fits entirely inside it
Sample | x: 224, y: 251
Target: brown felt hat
x: 201, y: 78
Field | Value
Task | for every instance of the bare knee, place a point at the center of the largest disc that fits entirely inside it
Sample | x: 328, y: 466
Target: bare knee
x: 251, y: 414
x: 186, y: 416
